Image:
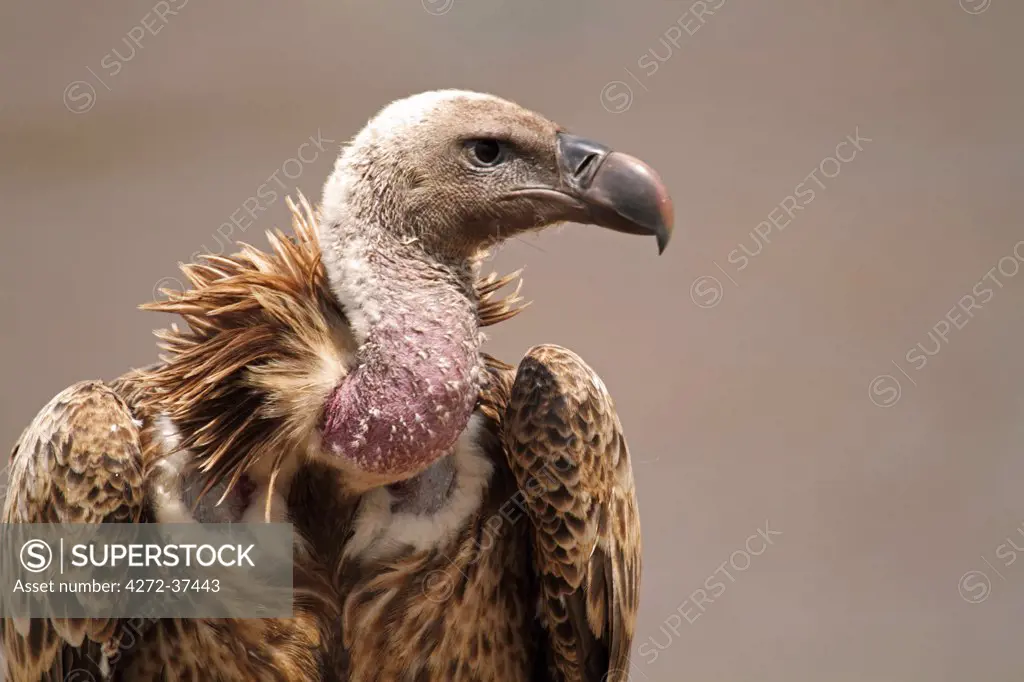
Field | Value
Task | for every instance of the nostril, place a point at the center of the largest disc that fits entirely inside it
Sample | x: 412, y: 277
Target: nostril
x: 587, y: 161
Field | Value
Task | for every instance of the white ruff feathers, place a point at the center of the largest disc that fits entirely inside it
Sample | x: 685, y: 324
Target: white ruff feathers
x: 379, y: 533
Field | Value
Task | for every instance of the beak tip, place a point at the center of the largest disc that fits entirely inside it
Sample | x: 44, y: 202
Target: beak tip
x: 663, y: 232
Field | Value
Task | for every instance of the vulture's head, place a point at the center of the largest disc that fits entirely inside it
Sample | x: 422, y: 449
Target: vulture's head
x: 415, y: 198
x: 460, y: 171
x: 371, y: 362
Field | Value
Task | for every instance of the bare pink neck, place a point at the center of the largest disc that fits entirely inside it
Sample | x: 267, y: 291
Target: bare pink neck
x: 417, y: 377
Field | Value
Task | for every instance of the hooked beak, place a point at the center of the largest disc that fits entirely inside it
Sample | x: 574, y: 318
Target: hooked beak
x: 615, y: 190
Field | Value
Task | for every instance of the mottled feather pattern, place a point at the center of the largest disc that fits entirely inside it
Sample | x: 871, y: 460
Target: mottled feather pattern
x: 207, y: 650
x: 79, y: 461
x: 566, y: 448
x: 100, y: 474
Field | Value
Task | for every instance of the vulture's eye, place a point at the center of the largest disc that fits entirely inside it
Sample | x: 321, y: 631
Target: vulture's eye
x: 485, y: 153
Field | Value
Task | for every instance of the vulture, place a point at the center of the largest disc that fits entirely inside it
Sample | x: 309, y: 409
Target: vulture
x: 456, y: 518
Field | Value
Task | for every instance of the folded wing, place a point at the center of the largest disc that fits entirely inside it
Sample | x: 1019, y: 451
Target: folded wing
x: 79, y: 461
x: 566, y: 448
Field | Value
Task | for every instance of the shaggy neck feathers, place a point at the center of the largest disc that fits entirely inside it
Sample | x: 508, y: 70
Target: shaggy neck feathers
x: 266, y: 345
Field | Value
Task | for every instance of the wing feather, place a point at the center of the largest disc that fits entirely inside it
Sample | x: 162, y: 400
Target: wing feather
x: 566, y: 448
x: 79, y: 461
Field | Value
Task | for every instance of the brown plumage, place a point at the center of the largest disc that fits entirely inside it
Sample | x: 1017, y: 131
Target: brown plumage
x: 79, y: 462
x: 509, y: 553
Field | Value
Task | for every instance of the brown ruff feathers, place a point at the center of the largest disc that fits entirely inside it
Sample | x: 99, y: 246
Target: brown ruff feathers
x: 264, y: 344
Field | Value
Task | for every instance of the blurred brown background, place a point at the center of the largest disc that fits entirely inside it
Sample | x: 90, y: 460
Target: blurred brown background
x: 747, y: 398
